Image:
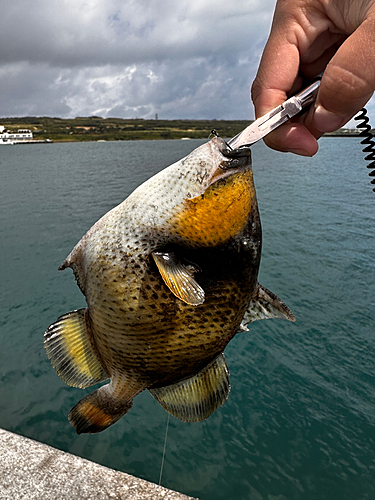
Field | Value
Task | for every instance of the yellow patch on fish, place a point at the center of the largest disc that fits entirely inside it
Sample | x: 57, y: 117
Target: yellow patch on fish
x: 219, y: 214
x: 70, y: 350
x: 74, y: 345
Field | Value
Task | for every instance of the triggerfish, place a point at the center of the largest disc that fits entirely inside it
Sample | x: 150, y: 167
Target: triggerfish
x: 170, y: 276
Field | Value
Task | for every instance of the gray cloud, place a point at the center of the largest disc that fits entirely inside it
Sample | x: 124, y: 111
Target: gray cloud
x: 187, y: 59
x: 132, y: 58
x: 98, y: 32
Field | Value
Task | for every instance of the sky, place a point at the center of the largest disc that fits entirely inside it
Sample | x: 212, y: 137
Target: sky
x: 192, y: 59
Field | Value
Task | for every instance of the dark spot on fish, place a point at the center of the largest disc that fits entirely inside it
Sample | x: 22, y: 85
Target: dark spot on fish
x: 201, y: 177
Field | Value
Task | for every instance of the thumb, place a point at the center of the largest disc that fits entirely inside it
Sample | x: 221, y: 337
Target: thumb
x: 348, y: 81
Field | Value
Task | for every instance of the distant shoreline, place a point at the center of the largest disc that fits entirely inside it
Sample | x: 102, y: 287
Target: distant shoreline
x: 95, y: 128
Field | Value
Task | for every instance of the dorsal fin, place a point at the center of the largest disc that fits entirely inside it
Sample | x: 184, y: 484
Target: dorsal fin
x: 178, y: 278
x: 69, y: 348
x: 196, y: 398
x: 266, y: 305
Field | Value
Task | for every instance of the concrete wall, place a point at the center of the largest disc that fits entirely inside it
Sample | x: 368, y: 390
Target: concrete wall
x: 34, y: 471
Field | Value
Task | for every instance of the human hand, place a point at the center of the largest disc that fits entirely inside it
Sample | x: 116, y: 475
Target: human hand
x: 307, y: 37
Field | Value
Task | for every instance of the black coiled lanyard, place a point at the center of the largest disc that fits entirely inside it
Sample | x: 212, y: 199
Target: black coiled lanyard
x: 368, y: 140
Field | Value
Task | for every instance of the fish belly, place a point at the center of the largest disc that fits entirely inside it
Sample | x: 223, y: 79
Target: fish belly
x: 141, y: 328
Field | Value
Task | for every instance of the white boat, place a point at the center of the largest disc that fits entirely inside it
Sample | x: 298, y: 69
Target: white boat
x: 8, y: 137
x: 5, y: 141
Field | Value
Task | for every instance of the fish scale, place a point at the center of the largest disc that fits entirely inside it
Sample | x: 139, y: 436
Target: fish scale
x: 169, y: 276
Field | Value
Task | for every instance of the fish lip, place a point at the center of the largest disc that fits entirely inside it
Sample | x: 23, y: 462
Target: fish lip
x: 243, y: 152
x: 229, y: 152
x: 238, y: 160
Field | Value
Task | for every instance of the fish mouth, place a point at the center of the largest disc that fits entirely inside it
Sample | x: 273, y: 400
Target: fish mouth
x: 232, y: 161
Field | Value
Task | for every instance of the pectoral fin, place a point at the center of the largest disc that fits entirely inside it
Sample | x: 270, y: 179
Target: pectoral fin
x: 196, y: 398
x: 179, y: 278
x: 266, y: 305
x: 69, y: 348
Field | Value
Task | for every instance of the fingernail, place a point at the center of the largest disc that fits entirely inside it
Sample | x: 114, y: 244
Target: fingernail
x: 325, y: 121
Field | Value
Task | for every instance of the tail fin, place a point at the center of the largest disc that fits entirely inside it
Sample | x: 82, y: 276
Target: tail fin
x: 96, y: 412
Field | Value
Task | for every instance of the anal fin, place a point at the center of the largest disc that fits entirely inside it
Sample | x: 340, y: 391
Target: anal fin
x: 196, y: 398
x: 69, y: 348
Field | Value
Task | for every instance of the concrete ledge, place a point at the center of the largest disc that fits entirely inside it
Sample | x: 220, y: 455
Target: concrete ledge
x: 34, y: 471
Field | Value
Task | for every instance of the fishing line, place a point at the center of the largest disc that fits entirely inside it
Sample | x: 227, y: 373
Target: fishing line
x: 165, y: 446
x: 368, y: 140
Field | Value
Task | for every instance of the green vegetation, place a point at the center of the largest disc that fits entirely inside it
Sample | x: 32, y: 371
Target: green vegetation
x: 95, y: 128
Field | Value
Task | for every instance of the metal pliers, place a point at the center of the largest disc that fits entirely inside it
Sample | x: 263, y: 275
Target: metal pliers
x: 264, y: 125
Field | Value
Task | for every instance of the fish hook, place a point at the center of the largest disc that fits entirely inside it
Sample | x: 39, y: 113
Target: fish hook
x: 214, y: 133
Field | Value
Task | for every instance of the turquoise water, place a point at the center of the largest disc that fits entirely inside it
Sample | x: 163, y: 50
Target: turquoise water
x: 300, y: 419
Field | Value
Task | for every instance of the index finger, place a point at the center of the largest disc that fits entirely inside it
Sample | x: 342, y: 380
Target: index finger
x: 278, y: 70
x: 277, y: 78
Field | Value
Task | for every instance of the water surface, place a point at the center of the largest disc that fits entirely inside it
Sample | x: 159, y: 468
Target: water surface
x: 300, y: 419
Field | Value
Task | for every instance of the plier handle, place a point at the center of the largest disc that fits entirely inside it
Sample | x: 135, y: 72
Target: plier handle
x: 276, y: 117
